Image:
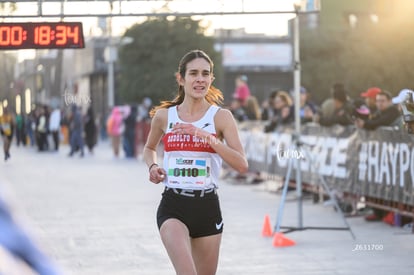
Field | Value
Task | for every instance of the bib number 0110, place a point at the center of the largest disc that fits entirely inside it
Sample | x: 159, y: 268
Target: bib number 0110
x: 186, y: 172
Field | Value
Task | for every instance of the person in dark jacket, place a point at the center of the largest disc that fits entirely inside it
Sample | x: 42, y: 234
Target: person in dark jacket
x: 76, y: 131
x: 342, y: 114
x: 307, y: 108
x: 386, y: 115
x: 129, y: 134
x: 370, y: 98
x: 268, y: 107
x: 284, y: 113
x: 90, y: 129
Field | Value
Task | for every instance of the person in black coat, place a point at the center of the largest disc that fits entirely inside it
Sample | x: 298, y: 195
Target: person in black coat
x: 342, y: 114
x: 387, y: 114
x: 129, y: 133
x: 90, y: 129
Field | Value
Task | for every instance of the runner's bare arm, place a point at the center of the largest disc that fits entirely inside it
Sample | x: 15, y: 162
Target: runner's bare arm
x: 158, y: 124
x: 232, y: 150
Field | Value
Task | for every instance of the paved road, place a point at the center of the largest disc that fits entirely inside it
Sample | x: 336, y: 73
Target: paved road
x: 96, y: 215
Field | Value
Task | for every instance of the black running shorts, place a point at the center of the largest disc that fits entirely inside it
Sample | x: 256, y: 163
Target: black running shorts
x: 199, y: 210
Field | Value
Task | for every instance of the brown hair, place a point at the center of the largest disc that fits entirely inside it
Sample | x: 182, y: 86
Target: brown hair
x: 285, y: 97
x: 387, y: 94
x: 214, y: 96
x: 252, y: 106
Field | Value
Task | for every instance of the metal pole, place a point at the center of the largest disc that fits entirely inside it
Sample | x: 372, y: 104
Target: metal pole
x: 39, y: 8
x: 143, y: 14
x: 111, y: 57
x: 296, y: 86
x: 111, y: 77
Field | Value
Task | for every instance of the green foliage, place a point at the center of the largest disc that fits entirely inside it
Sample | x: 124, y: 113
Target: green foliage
x: 374, y: 55
x: 150, y: 62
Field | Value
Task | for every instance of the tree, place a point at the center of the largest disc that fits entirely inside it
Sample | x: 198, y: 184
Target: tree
x: 379, y: 54
x: 149, y: 63
x: 321, y: 55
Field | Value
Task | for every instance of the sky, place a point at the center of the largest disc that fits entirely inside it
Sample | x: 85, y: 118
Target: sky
x: 274, y: 24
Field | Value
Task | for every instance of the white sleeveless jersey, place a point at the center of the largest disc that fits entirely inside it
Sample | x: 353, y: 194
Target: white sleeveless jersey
x: 190, y: 162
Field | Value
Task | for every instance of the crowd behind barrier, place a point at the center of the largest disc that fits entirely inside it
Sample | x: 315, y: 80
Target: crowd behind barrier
x: 48, y: 126
x: 377, y: 165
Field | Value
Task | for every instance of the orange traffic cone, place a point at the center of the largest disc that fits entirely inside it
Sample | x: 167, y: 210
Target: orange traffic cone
x: 280, y: 240
x: 267, y: 228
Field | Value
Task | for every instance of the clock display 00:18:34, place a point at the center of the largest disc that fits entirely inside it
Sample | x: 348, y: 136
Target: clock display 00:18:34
x: 45, y: 35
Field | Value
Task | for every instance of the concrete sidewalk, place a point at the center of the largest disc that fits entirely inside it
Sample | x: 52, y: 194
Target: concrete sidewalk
x: 96, y: 215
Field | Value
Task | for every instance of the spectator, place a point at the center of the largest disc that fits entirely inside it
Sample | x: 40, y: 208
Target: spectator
x: 115, y: 127
x: 307, y: 109
x: 361, y: 111
x: 42, y: 129
x: 65, y: 126
x: 253, y: 113
x: 327, y: 107
x: 283, y: 111
x: 402, y: 96
x: 405, y: 96
x: 237, y: 110
x: 268, y: 110
x: 342, y: 114
x: 54, y: 127
x: 387, y: 114
x: 252, y: 108
x: 370, y: 97
x: 7, y: 128
x: 30, y: 125
x: 91, y: 130
x: 143, y: 125
x: 242, y: 91
x: 20, y: 130
x: 129, y: 133
x: 76, y: 132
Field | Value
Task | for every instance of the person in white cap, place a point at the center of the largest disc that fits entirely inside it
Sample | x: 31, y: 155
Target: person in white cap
x: 402, y: 96
x: 406, y: 96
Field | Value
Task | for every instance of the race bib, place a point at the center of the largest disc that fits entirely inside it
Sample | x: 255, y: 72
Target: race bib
x: 189, y: 172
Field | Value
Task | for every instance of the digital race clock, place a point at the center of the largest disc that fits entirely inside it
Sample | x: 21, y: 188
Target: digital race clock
x: 45, y: 35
